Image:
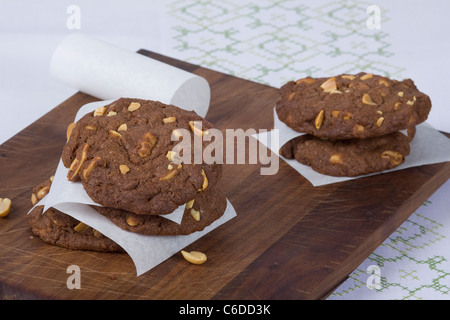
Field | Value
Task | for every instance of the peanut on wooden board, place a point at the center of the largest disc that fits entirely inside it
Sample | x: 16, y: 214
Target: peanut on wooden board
x: 5, y: 207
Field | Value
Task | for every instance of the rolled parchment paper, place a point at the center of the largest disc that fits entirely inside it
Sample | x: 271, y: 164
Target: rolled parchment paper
x: 108, y: 72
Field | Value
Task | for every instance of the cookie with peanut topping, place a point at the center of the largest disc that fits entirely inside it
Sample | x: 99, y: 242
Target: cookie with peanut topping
x: 348, y: 106
x: 351, y: 157
x: 199, y: 213
x: 123, y: 155
x: 57, y: 228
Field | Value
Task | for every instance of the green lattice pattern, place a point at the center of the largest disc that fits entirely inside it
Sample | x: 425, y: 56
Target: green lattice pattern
x: 277, y: 41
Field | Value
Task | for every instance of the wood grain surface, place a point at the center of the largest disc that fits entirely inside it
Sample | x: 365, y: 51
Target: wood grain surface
x: 288, y: 241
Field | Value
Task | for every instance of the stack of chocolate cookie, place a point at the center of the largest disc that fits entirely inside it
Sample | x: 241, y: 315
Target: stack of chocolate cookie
x: 123, y: 155
x: 352, y: 123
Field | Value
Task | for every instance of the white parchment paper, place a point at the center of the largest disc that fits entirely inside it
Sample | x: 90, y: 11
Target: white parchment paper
x: 428, y: 146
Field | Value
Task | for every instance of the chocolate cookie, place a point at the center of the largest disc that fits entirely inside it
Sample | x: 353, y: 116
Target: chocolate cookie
x: 352, y: 157
x: 199, y: 213
x: 123, y: 155
x: 351, y: 106
x: 62, y: 230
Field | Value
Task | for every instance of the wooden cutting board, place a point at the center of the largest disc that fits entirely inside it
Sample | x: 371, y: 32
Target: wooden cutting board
x: 288, y: 241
